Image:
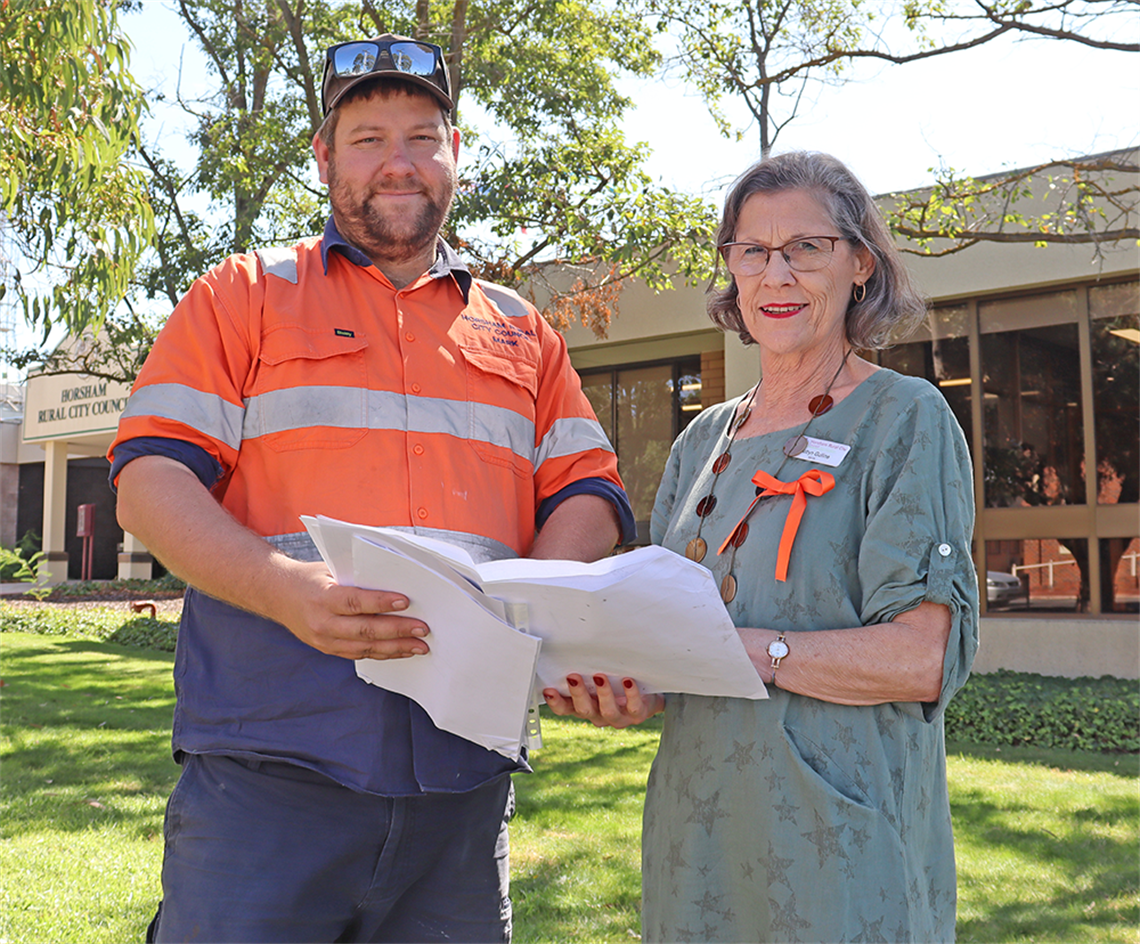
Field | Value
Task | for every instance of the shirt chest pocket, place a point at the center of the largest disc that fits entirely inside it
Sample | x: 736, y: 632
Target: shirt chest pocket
x: 502, y: 393
x: 311, y: 390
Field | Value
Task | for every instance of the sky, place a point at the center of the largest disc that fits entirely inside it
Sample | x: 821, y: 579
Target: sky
x: 1006, y: 104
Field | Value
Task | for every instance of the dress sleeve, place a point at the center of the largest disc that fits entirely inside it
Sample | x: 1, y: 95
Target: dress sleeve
x: 920, y: 522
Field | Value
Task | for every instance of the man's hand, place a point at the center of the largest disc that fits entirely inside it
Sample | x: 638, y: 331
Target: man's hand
x: 347, y: 621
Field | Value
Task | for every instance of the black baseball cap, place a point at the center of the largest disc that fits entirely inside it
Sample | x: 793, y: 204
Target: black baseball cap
x: 398, y: 57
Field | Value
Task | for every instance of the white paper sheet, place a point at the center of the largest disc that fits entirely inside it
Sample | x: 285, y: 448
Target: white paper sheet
x: 650, y: 615
x: 476, y: 679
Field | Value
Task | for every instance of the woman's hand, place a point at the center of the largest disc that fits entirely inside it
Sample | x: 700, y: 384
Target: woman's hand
x: 608, y: 708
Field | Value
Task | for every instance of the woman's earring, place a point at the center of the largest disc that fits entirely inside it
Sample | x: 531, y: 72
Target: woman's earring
x: 859, y: 292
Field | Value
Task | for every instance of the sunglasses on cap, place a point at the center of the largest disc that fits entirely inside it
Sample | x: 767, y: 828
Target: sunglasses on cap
x: 349, y: 64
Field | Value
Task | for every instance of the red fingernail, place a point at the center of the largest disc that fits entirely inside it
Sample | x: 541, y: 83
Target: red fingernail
x: 599, y: 680
x: 628, y: 683
x: 573, y: 682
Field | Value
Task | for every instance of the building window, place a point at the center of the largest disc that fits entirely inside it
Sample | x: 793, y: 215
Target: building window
x: 1041, y: 384
x: 1031, y: 383
x: 1039, y: 574
x: 1116, y: 390
x: 940, y: 352
x: 643, y: 408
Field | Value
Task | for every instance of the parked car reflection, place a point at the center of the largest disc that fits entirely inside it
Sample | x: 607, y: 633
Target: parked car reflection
x: 1003, y: 589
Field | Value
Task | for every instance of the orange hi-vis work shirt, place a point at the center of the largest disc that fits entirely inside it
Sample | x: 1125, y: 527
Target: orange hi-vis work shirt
x: 448, y: 406
x: 337, y: 394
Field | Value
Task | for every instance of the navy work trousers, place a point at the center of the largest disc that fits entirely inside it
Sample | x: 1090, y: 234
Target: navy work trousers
x: 272, y: 852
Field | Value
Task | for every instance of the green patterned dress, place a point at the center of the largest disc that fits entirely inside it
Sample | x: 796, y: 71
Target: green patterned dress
x: 793, y: 819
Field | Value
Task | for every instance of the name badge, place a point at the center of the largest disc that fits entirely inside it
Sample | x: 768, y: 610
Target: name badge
x: 824, y: 452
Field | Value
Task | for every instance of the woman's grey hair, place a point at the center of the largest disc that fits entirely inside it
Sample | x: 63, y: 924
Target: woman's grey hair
x: 891, y: 309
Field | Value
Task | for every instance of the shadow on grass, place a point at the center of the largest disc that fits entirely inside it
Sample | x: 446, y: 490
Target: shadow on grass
x: 1095, y: 868
x: 1121, y: 765
x: 87, y: 726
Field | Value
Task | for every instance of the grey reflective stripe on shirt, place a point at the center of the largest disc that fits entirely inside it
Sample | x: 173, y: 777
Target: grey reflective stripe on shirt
x: 302, y: 407
x: 351, y: 408
x: 299, y: 545
x: 569, y: 436
x: 297, y: 408
x: 206, y: 412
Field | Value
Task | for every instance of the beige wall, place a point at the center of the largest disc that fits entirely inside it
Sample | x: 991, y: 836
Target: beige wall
x: 1070, y: 648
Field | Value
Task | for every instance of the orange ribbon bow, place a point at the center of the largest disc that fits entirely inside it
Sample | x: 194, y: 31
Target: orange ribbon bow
x: 813, y: 482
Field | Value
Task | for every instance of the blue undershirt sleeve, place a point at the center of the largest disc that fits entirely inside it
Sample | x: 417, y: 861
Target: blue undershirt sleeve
x: 195, y: 458
x: 593, y: 486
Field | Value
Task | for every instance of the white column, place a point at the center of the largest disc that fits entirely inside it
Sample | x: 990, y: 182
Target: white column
x: 53, y: 566
x: 134, y: 559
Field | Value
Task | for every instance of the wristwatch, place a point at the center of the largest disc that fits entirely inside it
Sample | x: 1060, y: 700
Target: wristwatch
x: 777, y: 649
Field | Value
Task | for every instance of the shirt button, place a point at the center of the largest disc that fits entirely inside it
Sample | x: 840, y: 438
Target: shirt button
x: 422, y: 513
x: 419, y: 451
x: 409, y: 336
x: 945, y: 550
x: 416, y: 388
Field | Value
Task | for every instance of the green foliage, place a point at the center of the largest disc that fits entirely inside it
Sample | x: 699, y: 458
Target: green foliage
x: 1066, y: 201
x: 106, y: 624
x: 69, y: 116
x: 547, y: 178
x: 1015, y: 709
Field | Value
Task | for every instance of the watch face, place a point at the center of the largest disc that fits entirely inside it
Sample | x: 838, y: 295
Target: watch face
x: 777, y: 648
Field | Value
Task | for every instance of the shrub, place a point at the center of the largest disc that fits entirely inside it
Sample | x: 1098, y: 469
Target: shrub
x: 105, y: 624
x: 1019, y: 708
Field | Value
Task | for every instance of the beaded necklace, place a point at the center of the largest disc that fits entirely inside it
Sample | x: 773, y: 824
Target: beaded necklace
x: 696, y: 549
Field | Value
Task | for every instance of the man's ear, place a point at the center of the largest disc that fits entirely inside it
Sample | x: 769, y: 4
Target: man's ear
x: 455, y: 144
x: 321, y: 153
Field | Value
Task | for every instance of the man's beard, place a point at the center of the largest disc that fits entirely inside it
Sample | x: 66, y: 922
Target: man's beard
x: 381, y: 235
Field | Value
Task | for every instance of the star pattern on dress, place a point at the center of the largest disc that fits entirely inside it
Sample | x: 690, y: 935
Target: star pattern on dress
x: 826, y: 839
x: 719, y: 706
x: 775, y: 781
x: 785, y: 918
x: 741, y: 755
x: 675, y: 858
x: 871, y: 932
x: 846, y: 735
x: 708, y: 902
x: 707, y: 812
x: 776, y: 867
x: 747, y: 870
x: 786, y: 810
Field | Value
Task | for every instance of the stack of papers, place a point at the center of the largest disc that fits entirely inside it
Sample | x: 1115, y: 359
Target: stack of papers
x: 502, y: 631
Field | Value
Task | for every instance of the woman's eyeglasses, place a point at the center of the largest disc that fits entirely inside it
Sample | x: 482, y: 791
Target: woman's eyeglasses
x: 806, y: 254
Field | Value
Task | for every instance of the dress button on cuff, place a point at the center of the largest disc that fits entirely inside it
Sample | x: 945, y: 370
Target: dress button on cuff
x: 945, y: 550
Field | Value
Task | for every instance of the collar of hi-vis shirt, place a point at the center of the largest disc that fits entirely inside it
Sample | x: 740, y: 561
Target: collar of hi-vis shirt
x: 446, y: 261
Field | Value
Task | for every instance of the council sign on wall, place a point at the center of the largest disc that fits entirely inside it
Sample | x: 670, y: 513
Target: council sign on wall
x: 69, y: 405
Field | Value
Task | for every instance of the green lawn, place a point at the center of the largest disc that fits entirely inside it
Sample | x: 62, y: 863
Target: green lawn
x: 1047, y: 840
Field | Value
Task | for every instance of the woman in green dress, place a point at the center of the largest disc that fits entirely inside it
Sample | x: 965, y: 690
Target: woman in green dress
x: 833, y: 502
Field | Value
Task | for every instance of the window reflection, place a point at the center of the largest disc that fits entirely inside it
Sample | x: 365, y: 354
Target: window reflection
x: 1116, y: 391
x: 1120, y: 575
x: 940, y: 352
x: 1033, y: 428
x: 643, y: 409
x: 1038, y: 574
